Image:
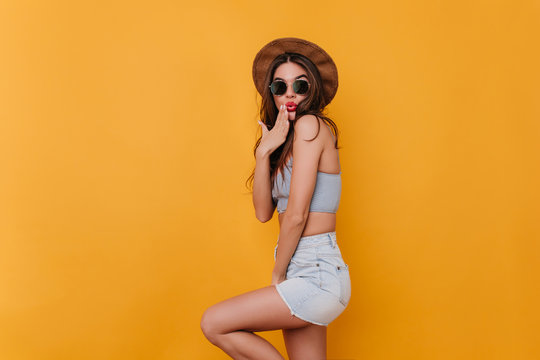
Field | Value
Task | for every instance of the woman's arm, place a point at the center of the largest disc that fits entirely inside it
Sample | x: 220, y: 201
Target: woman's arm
x: 262, y: 188
x: 270, y: 141
x: 306, y: 155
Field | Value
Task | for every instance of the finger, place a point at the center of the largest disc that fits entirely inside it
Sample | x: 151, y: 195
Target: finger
x: 285, y: 118
x: 264, y: 127
x: 283, y: 114
x: 279, y: 119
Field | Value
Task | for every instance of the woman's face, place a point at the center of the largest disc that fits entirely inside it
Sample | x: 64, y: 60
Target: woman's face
x: 289, y: 72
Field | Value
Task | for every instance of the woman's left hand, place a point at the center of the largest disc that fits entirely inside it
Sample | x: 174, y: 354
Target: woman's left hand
x: 277, y: 278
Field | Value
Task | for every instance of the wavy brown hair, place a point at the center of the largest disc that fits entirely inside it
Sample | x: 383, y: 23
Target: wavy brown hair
x: 313, y: 104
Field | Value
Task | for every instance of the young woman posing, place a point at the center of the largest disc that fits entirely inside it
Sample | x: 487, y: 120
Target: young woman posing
x: 310, y: 284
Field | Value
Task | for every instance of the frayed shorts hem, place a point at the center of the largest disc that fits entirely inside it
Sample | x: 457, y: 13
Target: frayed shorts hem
x: 294, y: 313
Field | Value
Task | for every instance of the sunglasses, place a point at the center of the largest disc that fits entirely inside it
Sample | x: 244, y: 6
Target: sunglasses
x: 279, y: 87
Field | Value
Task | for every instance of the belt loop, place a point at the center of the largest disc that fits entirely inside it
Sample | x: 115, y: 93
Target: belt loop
x: 333, y: 239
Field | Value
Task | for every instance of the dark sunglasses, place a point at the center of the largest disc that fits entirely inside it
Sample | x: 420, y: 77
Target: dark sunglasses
x: 279, y: 87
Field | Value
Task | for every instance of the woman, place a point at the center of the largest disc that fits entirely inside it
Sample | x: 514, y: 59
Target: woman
x: 310, y: 282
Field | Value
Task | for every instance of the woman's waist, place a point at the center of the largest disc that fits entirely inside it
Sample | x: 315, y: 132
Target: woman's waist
x: 316, y: 223
x: 316, y: 240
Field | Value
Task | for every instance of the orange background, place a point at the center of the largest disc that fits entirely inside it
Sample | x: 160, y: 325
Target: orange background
x: 126, y: 135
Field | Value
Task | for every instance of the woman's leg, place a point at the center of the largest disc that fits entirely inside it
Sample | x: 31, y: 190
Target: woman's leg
x: 230, y: 324
x: 307, y: 343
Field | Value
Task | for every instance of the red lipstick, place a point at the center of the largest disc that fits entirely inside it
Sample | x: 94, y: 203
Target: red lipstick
x: 291, y: 106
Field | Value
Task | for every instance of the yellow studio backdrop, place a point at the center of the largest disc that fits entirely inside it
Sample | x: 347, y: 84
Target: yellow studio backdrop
x: 126, y: 135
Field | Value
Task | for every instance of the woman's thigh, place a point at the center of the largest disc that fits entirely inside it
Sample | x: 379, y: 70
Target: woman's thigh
x: 306, y: 343
x: 258, y: 310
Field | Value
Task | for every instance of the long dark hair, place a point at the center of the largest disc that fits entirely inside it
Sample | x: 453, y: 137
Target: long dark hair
x: 313, y: 104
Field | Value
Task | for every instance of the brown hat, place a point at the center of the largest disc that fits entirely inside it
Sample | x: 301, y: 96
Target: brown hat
x: 317, y: 55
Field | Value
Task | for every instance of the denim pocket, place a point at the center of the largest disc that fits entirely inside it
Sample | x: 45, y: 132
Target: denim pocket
x: 304, y: 267
x: 335, y: 274
x: 345, y: 284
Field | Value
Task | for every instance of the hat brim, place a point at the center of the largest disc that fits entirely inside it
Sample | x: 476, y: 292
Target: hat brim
x: 320, y: 58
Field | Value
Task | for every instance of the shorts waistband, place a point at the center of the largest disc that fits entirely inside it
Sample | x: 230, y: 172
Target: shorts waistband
x: 317, y: 239
x: 311, y: 241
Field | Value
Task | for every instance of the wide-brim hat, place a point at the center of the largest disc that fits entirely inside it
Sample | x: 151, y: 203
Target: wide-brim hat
x: 319, y: 57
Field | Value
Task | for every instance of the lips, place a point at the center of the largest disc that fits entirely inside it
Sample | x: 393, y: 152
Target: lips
x: 291, y: 106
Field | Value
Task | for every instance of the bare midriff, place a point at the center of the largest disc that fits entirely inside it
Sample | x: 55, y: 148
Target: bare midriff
x: 317, y: 223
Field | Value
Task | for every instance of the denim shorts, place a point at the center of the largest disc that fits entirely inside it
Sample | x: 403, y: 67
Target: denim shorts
x: 318, y: 286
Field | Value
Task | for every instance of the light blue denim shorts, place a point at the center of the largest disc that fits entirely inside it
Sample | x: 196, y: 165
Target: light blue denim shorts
x: 318, y: 286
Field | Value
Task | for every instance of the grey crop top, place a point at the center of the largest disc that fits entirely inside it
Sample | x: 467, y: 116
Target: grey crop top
x: 326, y: 194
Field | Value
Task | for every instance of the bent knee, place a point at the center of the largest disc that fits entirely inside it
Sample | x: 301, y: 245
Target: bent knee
x: 210, y: 325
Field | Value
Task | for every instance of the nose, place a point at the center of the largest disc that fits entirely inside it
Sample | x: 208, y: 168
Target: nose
x: 290, y: 92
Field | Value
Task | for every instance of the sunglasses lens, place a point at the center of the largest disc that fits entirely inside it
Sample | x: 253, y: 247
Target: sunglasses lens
x: 300, y: 87
x: 278, y: 88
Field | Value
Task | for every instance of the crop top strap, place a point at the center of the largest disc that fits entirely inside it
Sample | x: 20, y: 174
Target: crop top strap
x: 329, y: 128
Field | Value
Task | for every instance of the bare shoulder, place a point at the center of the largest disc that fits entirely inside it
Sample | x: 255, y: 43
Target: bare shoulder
x: 306, y: 126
